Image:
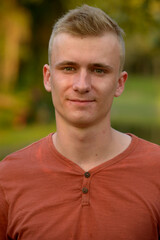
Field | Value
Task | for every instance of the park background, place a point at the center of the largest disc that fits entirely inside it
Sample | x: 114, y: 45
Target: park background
x: 26, y: 111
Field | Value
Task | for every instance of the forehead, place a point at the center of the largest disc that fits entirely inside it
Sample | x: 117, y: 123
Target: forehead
x: 90, y: 48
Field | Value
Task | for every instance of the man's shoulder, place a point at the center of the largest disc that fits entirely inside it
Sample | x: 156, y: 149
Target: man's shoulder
x: 23, y: 155
x: 150, y: 145
x: 146, y: 148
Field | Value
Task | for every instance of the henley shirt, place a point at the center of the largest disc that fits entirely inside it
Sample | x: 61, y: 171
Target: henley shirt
x: 45, y: 196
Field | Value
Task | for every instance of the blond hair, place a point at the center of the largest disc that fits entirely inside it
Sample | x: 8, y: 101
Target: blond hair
x: 87, y: 21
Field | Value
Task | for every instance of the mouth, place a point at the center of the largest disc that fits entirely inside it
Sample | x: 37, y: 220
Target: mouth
x: 81, y: 102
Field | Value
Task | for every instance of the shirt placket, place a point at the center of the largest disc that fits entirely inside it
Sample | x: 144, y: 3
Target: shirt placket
x: 86, y: 188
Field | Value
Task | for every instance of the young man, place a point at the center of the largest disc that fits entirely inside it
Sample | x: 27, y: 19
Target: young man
x: 87, y: 180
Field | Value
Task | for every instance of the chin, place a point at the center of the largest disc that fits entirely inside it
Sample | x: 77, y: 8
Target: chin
x: 83, y: 123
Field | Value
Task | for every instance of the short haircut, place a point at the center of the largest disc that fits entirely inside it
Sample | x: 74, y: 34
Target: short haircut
x: 87, y: 21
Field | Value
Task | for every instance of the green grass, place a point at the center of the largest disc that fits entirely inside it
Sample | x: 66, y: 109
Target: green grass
x: 139, y: 104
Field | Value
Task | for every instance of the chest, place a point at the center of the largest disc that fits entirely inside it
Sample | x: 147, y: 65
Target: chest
x: 86, y: 206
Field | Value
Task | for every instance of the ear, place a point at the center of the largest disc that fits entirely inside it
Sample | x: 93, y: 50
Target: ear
x: 121, y: 83
x: 47, y: 77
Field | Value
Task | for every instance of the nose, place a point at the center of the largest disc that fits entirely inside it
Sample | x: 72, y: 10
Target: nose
x: 82, y: 82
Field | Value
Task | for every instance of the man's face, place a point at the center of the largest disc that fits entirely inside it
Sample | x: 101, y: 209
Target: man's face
x: 84, y: 77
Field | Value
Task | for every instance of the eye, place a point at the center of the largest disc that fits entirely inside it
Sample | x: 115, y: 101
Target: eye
x: 69, y: 69
x: 99, y: 71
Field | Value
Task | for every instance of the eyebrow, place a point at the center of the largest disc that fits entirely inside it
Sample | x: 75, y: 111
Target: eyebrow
x: 102, y: 65
x: 98, y: 65
x: 63, y: 63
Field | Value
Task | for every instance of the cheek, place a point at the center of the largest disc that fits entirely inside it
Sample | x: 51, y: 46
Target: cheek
x: 54, y: 92
x: 107, y: 95
x: 57, y: 94
x: 109, y: 88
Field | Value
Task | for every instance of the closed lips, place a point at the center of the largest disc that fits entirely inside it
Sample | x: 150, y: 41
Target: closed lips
x: 80, y: 100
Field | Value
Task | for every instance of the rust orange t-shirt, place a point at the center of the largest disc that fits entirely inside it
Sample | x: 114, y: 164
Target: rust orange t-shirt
x: 44, y: 196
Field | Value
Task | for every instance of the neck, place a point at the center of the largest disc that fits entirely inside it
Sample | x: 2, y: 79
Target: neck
x: 89, y: 147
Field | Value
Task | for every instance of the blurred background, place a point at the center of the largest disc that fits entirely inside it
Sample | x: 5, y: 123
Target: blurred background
x: 26, y: 111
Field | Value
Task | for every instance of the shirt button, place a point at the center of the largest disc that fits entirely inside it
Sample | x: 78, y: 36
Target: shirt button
x: 85, y: 190
x: 87, y: 174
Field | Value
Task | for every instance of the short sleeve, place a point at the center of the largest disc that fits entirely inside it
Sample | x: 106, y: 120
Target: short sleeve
x: 3, y: 215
